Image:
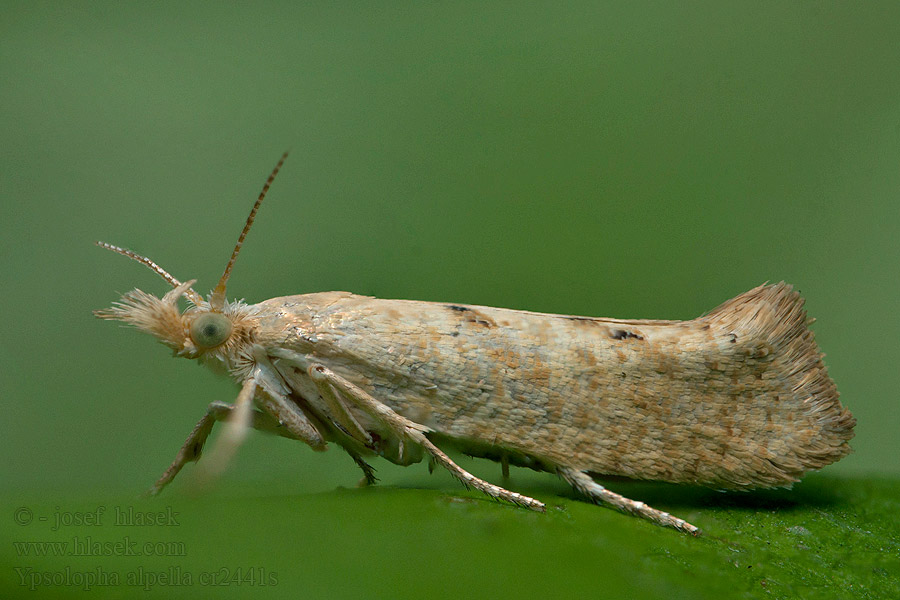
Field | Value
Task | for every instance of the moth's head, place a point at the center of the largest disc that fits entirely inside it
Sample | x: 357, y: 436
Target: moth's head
x: 191, y: 333
x: 209, y: 326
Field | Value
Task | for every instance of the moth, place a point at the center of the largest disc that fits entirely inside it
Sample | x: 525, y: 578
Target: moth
x: 736, y: 399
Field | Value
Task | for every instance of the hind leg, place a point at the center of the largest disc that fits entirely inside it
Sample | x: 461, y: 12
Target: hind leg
x: 415, y: 433
x: 585, y: 484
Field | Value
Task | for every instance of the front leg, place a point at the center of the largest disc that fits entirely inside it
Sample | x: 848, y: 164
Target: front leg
x: 192, y: 448
x: 278, y: 418
x: 413, y: 432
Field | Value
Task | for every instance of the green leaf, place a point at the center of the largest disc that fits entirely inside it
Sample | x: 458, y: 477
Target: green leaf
x: 829, y: 537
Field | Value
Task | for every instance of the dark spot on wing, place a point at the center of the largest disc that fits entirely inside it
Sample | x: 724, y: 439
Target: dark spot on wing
x: 470, y: 315
x: 624, y: 334
x: 585, y: 320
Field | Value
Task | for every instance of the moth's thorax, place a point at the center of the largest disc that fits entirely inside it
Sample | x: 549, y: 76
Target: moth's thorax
x: 297, y: 321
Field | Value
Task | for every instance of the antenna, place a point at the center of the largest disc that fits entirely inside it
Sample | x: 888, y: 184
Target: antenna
x: 190, y: 293
x: 217, y: 299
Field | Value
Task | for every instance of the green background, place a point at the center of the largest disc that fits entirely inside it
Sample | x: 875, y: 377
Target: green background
x: 648, y: 161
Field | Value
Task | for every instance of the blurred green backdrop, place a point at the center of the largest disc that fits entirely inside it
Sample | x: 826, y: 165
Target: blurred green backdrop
x: 646, y: 161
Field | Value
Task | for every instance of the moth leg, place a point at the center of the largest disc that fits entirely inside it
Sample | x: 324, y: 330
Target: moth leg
x: 238, y: 418
x: 406, y: 429
x: 288, y: 417
x: 275, y: 401
x: 348, y: 423
x: 262, y: 421
x: 585, y: 484
x: 291, y: 426
x: 191, y: 449
x: 367, y: 469
x: 236, y: 426
x: 340, y: 415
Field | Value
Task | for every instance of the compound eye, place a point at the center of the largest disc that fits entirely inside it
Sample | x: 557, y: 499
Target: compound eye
x: 210, y: 330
